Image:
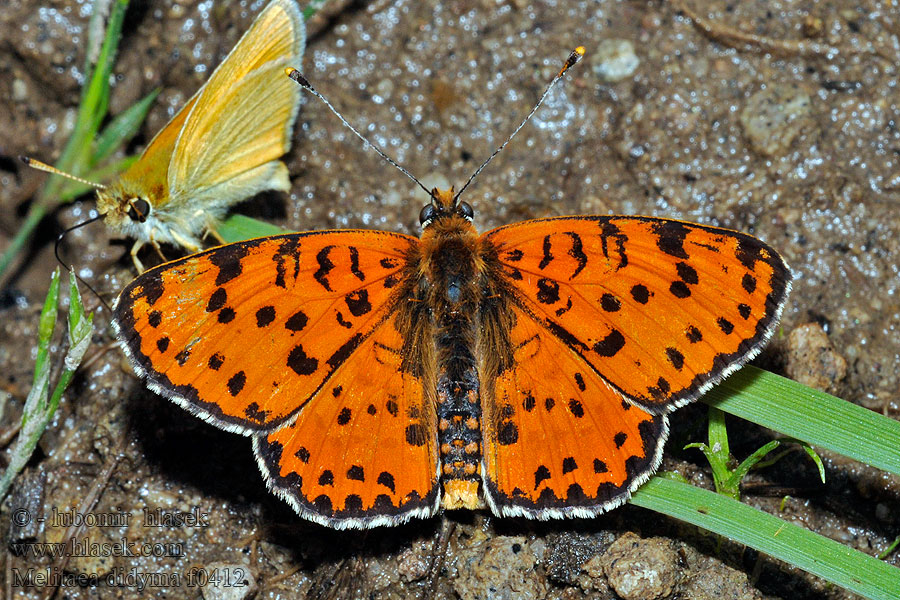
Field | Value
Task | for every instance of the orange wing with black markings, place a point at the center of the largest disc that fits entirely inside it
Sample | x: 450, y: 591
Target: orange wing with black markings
x: 558, y: 440
x: 292, y: 339
x: 245, y: 334
x: 618, y: 320
x: 366, y: 455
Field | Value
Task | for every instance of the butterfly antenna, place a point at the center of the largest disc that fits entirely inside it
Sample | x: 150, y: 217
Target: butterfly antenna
x: 574, y: 57
x: 299, y: 78
x: 42, y: 166
x: 59, y: 259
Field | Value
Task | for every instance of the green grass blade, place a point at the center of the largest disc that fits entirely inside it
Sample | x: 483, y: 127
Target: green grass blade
x: 312, y: 7
x: 237, y: 228
x: 815, y: 417
x: 122, y: 128
x: 816, y: 554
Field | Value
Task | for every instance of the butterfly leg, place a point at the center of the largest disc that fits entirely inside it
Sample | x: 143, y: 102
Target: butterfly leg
x: 134, y: 256
x: 211, y: 231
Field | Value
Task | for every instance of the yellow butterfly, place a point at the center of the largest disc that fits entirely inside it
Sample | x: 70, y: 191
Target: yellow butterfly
x: 221, y: 147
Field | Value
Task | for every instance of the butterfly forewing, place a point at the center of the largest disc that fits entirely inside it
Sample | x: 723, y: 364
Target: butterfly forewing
x: 249, y: 107
x: 246, y: 334
x: 364, y: 451
x: 660, y: 309
x: 559, y: 441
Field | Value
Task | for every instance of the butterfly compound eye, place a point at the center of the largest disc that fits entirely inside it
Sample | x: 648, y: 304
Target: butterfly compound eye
x: 465, y: 209
x: 138, y: 210
x: 429, y: 212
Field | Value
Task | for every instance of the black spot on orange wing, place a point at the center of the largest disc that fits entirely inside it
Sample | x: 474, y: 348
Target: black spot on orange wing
x: 354, y: 264
x: 693, y: 334
x: 387, y: 480
x: 600, y: 466
x: 326, y: 478
x: 541, y: 474
x: 226, y: 315
x: 569, y: 465
x: 744, y: 310
x: 610, y: 345
x: 296, y: 322
x: 154, y: 319
x: 687, y: 273
x: 162, y: 344
x: 182, y: 357
x: 216, y: 361
x: 356, y: 473
x: 344, y: 416
x: 579, y: 381
x: 253, y: 413
x: 529, y: 402
x: 748, y: 282
x: 679, y: 289
x: 548, y: 256
x: 236, y: 383
x: 303, y: 454
x: 610, y: 303
x: 576, y: 408
x: 289, y: 249
x: 725, y: 325
x: 392, y: 408
x: 358, y: 302
x: 619, y: 439
x: 577, y: 252
x: 640, y: 293
x: 300, y: 363
x: 508, y: 433
x: 228, y: 259
x: 548, y: 291
x: 676, y: 358
x: 670, y: 237
x: 265, y: 316
x: 325, y: 267
x: 217, y: 300
x: 513, y: 255
x: 415, y: 435
x: 344, y: 352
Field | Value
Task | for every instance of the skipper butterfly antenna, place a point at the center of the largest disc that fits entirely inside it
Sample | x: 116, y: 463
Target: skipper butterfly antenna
x: 42, y: 166
x: 574, y: 57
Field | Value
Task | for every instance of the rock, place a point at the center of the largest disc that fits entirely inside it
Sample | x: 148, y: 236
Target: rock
x: 812, y: 360
x: 615, y: 60
x: 639, y: 569
x: 774, y: 116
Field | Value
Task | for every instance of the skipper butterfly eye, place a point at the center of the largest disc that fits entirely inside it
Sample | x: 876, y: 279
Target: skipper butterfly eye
x: 465, y: 209
x: 138, y: 210
x: 429, y: 212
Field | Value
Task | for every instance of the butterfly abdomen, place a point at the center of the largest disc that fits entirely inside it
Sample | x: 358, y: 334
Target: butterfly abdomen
x: 450, y: 285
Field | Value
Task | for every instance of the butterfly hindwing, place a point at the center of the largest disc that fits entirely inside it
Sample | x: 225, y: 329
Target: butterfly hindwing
x: 363, y: 451
x: 558, y: 440
x: 660, y: 309
x: 244, y: 335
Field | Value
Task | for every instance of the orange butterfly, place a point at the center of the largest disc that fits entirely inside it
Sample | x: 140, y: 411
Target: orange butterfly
x: 383, y: 377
